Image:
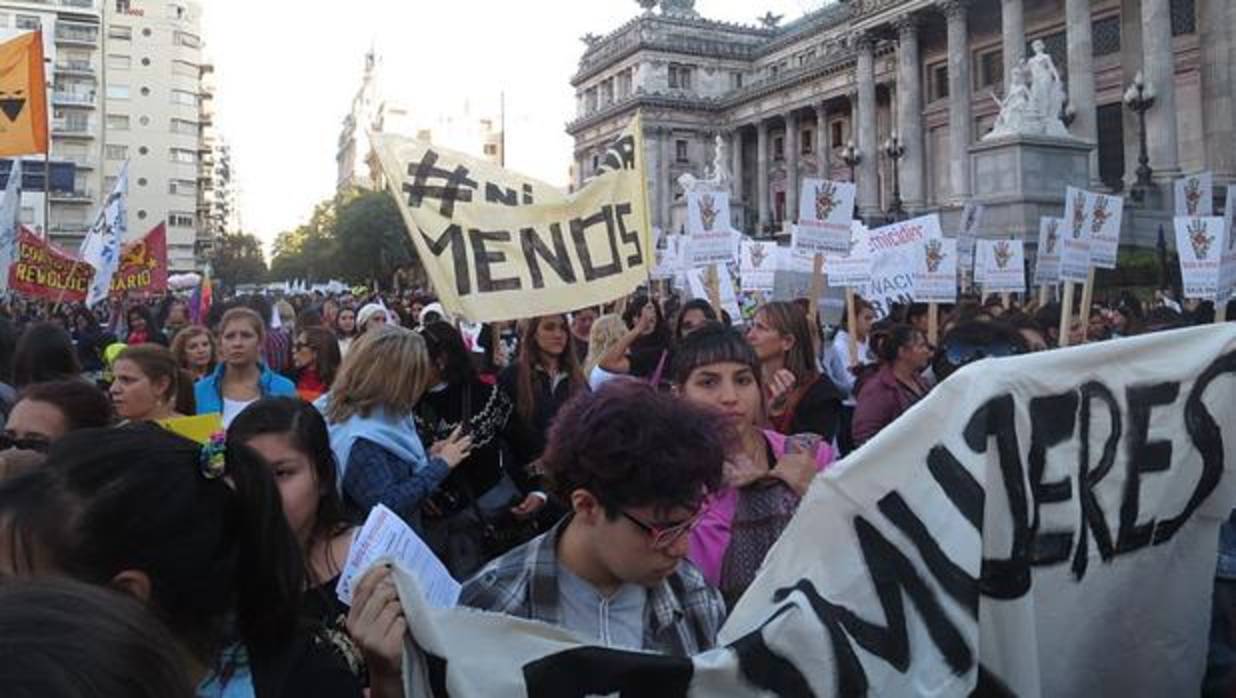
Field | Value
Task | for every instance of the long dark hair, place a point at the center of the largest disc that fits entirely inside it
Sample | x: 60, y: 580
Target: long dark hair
x: 694, y: 304
x: 789, y: 319
x: 67, y: 639
x: 306, y: 429
x: 326, y: 346
x: 210, y: 533
x: 888, y: 342
x: 530, y: 356
x: 714, y: 344
x: 44, y: 353
x: 448, y: 353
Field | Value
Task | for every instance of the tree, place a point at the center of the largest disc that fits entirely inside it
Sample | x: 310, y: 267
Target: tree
x: 238, y: 259
x: 310, y: 251
x: 372, y: 237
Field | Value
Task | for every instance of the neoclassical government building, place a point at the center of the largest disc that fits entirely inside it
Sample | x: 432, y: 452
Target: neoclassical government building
x: 822, y: 94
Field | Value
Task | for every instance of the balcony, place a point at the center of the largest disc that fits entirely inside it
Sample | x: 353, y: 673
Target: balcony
x: 72, y: 128
x: 83, y: 162
x: 73, y: 99
x: 73, y: 197
x: 80, y: 68
x: 70, y: 228
x: 80, y: 35
x: 80, y: 4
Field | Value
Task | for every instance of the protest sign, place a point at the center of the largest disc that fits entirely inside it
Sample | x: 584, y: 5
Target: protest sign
x: 758, y: 266
x: 1047, y: 268
x: 386, y: 535
x: 1104, y: 215
x: 710, y: 237
x: 1227, y: 271
x: 967, y: 234
x: 1075, y: 243
x: 935, y: 271
x: 42, y: 270
x: 893, y: 260
x: 792, y: 279
x: 1004, y: 266
x: 1195, y: 195
x: 143, y: 265
x: 500, y: 246
x: 698, y: 279
x: 668, y: 257
x: 824, y: 214
x: 1000, y: 538
x: 1229, y: 210
x: 854, y: 269
x: 1200, y: 244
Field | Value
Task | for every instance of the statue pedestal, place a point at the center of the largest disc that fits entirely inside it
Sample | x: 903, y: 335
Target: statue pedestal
x: 1020, y: 179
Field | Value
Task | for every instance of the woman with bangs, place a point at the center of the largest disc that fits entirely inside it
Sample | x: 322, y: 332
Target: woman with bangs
x: 765, y: 475
x: 369, y: 411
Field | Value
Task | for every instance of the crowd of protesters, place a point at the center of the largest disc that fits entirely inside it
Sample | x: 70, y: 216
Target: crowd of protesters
x: 618, y: 471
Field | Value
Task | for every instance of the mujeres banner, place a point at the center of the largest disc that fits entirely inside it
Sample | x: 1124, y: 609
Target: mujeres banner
x: 1044, y: 525
x: 499, y: 246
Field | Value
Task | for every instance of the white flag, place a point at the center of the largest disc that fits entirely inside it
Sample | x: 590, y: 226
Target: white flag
x: 10, y: 219
x: 101, y: 247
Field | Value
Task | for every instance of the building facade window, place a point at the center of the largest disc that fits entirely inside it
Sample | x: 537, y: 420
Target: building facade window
x: 990, y: 72
x: 1184, y: 17
x: 1109, y: 121
x: 680, y: 151
x: 116, y: 61
x: 182, y: 187
x: 607, y: 91
x: 1105, y: 36
x: 939, y: 81
x: 838, y: 134
x: 185, y: 69
x: 590, y: 99
x: 179, y: 219
x: 183, y: 156
x: 779, y: 148
x: 186, y: 39
x: 117, y: 32
x: 118, y: 122
x: 736, y: 80
x: 807, y: 138
x: 624, y: 84
x: 185, y: 98
x: 117, y: 152
x: 184, y: 127
x: 115, y: 91
x: 30, y: 22
x: 680, y: 76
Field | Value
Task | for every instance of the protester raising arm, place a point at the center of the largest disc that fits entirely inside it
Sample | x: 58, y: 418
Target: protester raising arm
x: 616, y: 360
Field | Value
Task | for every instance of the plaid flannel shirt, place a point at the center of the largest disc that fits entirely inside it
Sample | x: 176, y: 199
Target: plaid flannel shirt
x: 681, y: 618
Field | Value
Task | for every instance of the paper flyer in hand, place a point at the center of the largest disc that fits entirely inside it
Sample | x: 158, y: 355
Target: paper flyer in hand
x: 386, y: 535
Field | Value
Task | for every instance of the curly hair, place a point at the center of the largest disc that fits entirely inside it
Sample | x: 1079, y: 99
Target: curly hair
x: 629, y: 445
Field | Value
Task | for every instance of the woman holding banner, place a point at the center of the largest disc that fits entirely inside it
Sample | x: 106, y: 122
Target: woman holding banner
x: 766, y: 473
x: 885, y: 394
x: 800, y: 399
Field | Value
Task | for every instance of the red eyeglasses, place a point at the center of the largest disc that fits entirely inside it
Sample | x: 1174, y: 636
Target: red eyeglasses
x: 664, y: 537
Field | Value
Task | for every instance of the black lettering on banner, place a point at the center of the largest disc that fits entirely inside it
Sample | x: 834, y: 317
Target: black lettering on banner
x: 579, y: 229
x: 1207, y: 438
x: 963, y: 588
x: 419, y: 189
x: 628, y: 237
x: 1052, y: 420
x: 484, y: 258
x: 1093, y: 519
x: 597, y: 671
x: 558, y: 259
x: 619, y: 156
x: 1144, y: 456
x: 1009, y: 578
x: 959, y: 485
x: 528, y: 195
x: 453, y: 238
x: 495, y: 194
x: 435, y: 667
x: 768, y: 671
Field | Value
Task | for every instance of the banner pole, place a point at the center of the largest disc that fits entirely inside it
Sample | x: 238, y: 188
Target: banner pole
x: 1042, y: 295
x: 1066, y: 311
x: 1086, y: 302
x: 851, y: 319
x: 1006, y: 299
x: 933, y: 324
x: 713, y: 283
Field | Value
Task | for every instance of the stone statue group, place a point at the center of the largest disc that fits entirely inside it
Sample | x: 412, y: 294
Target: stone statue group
x: 1034, y: 101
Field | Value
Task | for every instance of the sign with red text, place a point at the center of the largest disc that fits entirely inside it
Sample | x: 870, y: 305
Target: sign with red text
x: 1201, y: 245
x: 708, y: 228
x: 1004, y: 265
x: 1195, y: 195
x: 825, y: 211
x: 1104, y: 215
x: 1075, y: 240
x: 894, y: 251
x: 935, y: 272
x: 1047, y: 268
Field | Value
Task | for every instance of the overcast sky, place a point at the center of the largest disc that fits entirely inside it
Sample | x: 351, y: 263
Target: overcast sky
x: 286, y: 72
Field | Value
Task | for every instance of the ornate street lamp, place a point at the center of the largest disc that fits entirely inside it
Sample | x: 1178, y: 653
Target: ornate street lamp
x: 1140, y: 97
x: 851, y: 157
x: 895, y: 150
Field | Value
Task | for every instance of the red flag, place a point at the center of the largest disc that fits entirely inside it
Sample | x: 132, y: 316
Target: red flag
x: 42, y: 270
x: 143, y: 265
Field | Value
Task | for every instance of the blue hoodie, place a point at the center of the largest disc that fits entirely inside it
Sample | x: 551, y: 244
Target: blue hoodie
x: 208, y: 392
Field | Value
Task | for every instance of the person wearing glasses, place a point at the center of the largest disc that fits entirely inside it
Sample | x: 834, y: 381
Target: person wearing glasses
x: 43, y: 414
x: 634, y: 466
x: 766, y: 473
x: 316, y: 357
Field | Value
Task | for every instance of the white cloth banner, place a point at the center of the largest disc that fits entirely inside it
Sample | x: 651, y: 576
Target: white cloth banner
x: 708, y: 226
x: 1200, y: 244
x: 101, y: 246
x: 1004, y: 266
x: 1047, y: 266
x: 824, y: 214
x: 935, y: 271
x: 1195, y: 195
x: 758, y: 265
x: 10, y: 223
x: 1075, y: 241
x: 1038, y: 526
x: 1104, y: 215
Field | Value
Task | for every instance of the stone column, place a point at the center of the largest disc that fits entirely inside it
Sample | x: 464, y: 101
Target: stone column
x: 665, y: 187
x: 960, y: 105
x: 792, y: 150
x: 910, y: 113
x: 823, y: 142
x: 1081, y: 76
x: 736, y: 165
x: 1216, y: 22
x: 1013, y: 29
x: 865, y: 123
x: 1159, y: 66
x: 761, y: 174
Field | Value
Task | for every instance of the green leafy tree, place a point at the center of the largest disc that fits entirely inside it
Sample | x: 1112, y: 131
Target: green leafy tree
x: 238, y: 259
x: 310, y: 251
x: 371, y: 238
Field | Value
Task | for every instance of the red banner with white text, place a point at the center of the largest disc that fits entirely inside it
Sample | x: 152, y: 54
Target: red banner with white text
x: 42, y: 270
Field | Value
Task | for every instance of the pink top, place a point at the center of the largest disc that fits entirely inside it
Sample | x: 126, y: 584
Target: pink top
x: 711, y: 536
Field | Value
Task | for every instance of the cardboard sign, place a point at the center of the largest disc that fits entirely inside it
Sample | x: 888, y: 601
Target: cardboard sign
x: 708, y: 227
x: 894, y: 258
x: 758, y: 265
x: 1075, y: 241
x: 854, y: 269
x: 1104, y: 215
x: 1004, y: 266
x: 1047, y: 268
x: 825, y: 210
x: 935, y: 273
x: 1201, y: 245
x: 1195, y: 195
